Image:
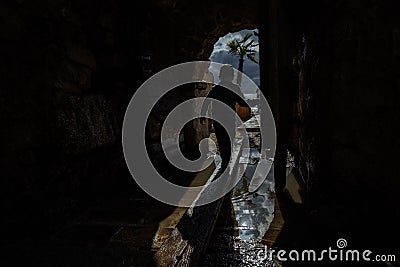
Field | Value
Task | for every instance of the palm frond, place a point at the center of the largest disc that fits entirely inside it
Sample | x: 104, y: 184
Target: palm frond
x: 233, y: 47
x: 249, y: 44
x: 246, y: 38
x: 243, y: 47
x: 252, y: 58
x: 251, y: 51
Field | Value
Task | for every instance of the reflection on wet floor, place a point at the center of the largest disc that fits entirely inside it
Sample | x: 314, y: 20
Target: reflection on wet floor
x: 253, y: 212
x: 242, y: 243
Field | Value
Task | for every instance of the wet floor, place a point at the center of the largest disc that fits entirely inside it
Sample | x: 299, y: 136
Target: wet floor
x: 253, y: 211
x: 239, y: 236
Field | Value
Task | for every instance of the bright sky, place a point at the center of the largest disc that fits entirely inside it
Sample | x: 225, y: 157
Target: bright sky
x: 220, y: 55
x: 220, y: 45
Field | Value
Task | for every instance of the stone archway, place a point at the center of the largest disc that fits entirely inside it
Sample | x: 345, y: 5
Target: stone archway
x: 197, y: 25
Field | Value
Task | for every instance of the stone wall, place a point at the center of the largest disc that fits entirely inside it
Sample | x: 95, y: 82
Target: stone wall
x: 60, y: 133
x: 362, y: 111
x: 345, y: 132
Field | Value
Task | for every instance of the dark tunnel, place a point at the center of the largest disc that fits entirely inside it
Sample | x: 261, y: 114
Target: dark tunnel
x: 328, y: 69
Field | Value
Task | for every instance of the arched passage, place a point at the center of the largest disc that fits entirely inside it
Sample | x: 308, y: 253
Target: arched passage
x: 328, y: 68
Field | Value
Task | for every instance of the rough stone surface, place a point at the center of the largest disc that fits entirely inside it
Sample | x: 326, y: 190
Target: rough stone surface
x: 346, y: 118
x: 69, y: 69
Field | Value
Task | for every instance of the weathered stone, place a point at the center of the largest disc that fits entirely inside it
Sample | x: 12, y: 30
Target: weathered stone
x: 85, y: 122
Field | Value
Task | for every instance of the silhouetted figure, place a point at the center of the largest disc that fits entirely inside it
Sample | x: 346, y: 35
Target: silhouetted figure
x: 201, y: 90
x: 222, y: 93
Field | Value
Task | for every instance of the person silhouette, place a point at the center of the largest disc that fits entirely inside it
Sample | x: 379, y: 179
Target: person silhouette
x: 227, y: 96
x: 201, y: 90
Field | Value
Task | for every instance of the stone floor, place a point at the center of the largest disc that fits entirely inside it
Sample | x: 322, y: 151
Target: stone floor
x: 123, y: 229
x: 129, y: 228
x: 249, y: 223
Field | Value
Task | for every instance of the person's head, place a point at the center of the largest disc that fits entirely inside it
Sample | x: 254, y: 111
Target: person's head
x: 226, y: 73
x: 207, y: 65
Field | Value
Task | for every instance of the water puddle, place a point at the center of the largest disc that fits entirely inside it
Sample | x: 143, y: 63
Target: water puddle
x: 243, y: 244
x: 254, y: 212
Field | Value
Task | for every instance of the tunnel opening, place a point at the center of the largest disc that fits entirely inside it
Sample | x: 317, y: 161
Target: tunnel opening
x: 246, y: 216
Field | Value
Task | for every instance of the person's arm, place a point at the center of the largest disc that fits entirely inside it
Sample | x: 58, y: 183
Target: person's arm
x: 240, y: 98
x: 204, y: 107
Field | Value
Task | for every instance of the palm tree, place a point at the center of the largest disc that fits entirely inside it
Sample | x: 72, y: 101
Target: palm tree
x: 243, y: 48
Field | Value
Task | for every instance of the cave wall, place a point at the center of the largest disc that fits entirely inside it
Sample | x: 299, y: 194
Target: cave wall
x: 345, y: 123
x: 60, y: 131
x: 362, y: 112
x: 69, y: 69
